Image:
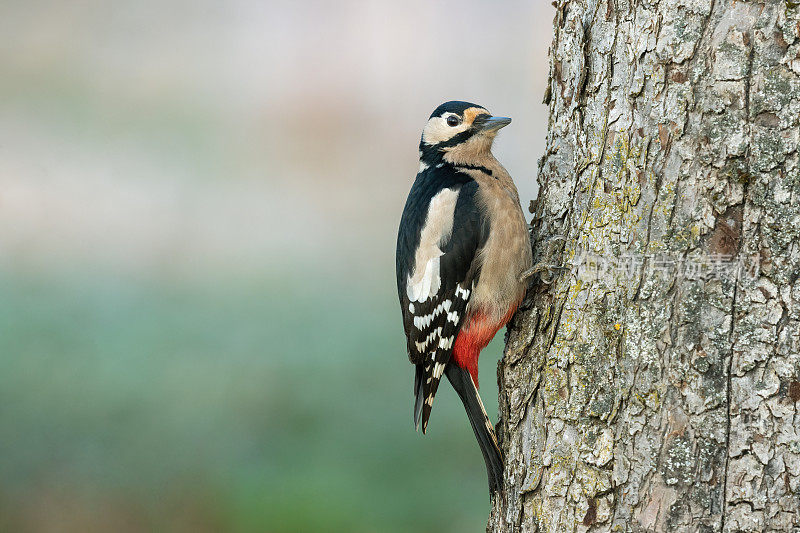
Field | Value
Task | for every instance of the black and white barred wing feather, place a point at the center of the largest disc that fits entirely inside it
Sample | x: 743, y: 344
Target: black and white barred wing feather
x: 441, y: 233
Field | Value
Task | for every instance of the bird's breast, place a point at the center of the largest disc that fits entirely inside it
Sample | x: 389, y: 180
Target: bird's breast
x: 506, y: 254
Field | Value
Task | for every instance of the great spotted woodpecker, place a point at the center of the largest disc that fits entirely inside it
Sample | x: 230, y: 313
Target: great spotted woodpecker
x: 462, y: 251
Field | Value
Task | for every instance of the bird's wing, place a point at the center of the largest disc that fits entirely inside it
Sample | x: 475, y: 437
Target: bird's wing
x: 441, y: 232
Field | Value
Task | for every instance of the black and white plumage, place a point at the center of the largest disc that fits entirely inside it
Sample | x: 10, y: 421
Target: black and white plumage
x: 461, y: 247
x: 435, y: 297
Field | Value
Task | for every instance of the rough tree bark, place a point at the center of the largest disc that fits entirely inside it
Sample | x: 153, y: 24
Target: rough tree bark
x: 654, y: 386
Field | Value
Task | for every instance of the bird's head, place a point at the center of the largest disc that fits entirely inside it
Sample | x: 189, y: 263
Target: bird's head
x: 460, y: 128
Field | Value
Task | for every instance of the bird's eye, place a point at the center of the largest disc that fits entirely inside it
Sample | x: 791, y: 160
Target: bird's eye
x: 453, y: 121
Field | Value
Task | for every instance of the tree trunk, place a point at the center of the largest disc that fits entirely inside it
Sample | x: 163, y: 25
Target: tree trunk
x: 654, y: 385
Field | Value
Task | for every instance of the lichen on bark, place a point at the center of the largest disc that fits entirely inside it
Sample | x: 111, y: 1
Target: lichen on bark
x: 651, y: 396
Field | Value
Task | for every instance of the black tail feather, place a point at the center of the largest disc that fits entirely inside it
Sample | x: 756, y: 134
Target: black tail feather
x: 418, y: 395
x: 426, y: 383
x: 481, y: 425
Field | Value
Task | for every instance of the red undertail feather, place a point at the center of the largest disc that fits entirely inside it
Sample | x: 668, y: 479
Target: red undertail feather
x: 478, y: 330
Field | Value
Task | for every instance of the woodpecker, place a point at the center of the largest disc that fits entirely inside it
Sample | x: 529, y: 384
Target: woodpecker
x: 462, y: 252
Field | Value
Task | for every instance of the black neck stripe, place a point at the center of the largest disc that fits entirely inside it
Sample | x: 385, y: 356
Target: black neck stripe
x: 475, y: 167
x: 433, y: 153
x: 456, y: 139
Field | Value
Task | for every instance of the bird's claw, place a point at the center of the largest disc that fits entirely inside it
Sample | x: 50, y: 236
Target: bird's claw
x: 552, y: 270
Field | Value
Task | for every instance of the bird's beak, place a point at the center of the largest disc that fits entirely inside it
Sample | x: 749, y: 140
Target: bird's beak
x: 490, y: 123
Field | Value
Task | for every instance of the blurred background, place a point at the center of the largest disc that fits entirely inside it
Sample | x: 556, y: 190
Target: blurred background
x: 198, y: 210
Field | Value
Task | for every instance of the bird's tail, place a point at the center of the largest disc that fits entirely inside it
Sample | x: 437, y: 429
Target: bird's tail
x: 481, y: 425
x: 426, y: 383
x: 419, y: 396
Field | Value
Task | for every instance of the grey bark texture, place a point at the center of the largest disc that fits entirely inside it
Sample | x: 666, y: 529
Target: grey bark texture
x: 654, y: 385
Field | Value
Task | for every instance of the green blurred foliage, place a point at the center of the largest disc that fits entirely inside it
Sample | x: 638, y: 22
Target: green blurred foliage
x: 275, y: 406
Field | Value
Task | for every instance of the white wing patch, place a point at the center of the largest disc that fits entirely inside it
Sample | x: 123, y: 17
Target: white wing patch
x: 435, y: 334
x: 422, y: 322
x: 445, y: 343
x: 463, y: 293
x: 424, y: 280
x: 438, y: 368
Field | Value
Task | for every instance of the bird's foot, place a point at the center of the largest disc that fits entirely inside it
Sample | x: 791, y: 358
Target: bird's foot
x: 551, y: 272
x: 547, y: 265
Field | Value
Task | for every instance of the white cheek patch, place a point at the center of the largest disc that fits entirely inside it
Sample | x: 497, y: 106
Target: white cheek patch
x: 424, y: 280
x: 437, y: 130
